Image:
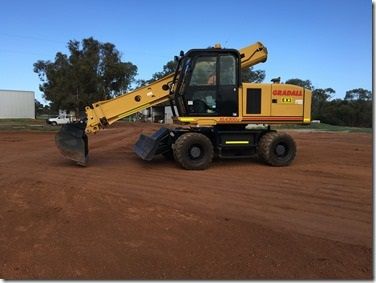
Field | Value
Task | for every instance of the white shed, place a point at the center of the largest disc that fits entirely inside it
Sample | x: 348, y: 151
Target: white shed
x: 17, y: 104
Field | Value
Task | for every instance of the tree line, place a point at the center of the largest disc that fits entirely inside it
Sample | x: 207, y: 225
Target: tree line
x: 94, y: 71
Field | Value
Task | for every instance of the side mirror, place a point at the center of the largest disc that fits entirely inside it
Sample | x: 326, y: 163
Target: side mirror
x: 165, y: 87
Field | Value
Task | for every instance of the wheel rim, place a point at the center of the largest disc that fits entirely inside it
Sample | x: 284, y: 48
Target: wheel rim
x: 281, y: 150
x: 195, y: 152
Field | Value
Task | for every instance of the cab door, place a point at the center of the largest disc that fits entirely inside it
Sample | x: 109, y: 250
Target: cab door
x: 200, y: 92
x: 212, y: 87
x: 227, y: 87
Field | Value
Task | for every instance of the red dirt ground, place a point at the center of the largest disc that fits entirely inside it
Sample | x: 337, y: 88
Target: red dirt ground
x: 124, y: 218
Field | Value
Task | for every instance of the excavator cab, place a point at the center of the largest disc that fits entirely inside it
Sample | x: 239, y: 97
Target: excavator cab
x: 208, y: 83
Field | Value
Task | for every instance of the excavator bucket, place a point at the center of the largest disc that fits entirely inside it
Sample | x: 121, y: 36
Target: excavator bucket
x: 148, y: 146
x: 73, y: 142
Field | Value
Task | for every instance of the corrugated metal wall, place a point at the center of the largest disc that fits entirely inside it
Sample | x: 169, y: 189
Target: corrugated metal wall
x: 17, y: 104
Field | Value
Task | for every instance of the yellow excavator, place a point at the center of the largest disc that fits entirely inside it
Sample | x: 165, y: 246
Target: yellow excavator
x: 218, y: 115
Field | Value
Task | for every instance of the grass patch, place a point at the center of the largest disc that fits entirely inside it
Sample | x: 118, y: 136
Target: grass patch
x: 26, y: 125
x: 325, y: 127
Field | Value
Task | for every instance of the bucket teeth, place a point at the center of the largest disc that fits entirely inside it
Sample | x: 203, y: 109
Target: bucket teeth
x: 72, y: 142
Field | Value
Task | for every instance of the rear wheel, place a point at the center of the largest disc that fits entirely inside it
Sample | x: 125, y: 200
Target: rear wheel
x: 193, y: 151
x: 277, y: 149
x: 54, y: 124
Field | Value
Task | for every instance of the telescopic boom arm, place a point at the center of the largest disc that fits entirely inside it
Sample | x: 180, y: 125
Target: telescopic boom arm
x: 107, y: 112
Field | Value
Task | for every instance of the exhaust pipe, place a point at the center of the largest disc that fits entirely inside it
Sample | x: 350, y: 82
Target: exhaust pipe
x: 72, y: 142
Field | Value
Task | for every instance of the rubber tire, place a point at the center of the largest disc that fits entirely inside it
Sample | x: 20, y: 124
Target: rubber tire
x: 267, y: 149
x: 53, y: 124
x: 185, y: 142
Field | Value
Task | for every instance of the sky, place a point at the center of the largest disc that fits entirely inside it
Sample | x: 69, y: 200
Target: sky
x: 328, y: 42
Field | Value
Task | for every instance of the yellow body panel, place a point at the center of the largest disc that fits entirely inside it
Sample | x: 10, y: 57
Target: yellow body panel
x: 289, y: 100
x: 289, y: 108
x: 280, y: 103
x: 265, y: 99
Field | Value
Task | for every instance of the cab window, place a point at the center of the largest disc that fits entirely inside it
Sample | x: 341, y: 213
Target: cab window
x: 227, y: 74
x: 201, y: 95
x: 204, y: 72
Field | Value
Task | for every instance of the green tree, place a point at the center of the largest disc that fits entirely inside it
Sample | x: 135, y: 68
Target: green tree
x: 303, y: 83
x: 351, y: 111
x: 337, y: 112
x: 358, y: 94
x: 252, y: 76
x: 39, y: 108
x: 168, y: 68
x: 91, y: 71
x: 360, y: 100
x: 320, y: 97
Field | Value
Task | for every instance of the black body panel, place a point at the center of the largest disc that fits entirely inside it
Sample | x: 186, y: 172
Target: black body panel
x: 234, y: 141
x: 253, y: 101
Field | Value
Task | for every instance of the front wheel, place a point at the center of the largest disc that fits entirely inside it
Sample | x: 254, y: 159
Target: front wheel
x: 277, y: 149
x: 193, y: 151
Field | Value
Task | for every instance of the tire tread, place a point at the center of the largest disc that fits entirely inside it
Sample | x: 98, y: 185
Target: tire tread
x: 180, y: 154
x: 266, y: 143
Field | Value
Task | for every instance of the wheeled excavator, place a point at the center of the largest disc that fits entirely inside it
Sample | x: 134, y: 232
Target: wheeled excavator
x: 217, y: 114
